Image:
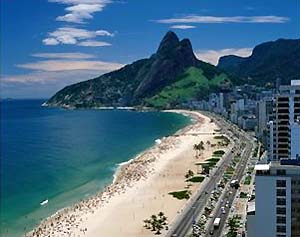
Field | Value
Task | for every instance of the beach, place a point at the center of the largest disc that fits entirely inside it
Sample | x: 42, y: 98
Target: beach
x: 140, y: 189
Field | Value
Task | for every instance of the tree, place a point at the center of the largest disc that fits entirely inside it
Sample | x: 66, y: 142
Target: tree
x: 189, y: 174
x: 196, y: 148
x: 201, y: 145
x: 156, y: 222
x: 233, y: 225
x: 147, y: 224
x: 153, y: 222
x: 158, y: 227
x: 208, y: 144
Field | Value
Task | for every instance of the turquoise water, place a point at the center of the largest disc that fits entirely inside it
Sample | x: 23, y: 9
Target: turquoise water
x: 65, y: 156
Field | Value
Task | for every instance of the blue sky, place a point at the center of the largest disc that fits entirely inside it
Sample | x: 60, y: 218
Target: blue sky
x: 48, y: 44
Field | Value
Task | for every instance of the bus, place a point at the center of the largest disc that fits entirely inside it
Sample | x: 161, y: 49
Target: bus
x: 217, y: 222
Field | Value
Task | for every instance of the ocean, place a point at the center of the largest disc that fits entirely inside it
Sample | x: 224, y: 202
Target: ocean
x: 64, y: 156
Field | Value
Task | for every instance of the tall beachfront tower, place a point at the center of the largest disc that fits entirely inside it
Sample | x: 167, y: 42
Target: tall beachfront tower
x: 286, y: 115
x: 277, y: 200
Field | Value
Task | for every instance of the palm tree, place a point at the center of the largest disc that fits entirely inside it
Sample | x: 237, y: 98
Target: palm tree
x: 158, y: 227
x: 161, y: 214
x: 156, y: 222
x: 147, y: 224
x: 208, y: 144
x: 189, y: 174
x: 162, y: 217
x: 233, y: 225
x: 153, y: 222
x: 196, y: 148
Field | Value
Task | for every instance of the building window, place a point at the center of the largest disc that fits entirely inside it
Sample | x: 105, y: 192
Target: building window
x: 281, y: 183
x: 281, y: 172
x: 281, y: 229
x: 281, y: 201
x: 281, y: 220
x: 281, y: 210
x: 281, y: 192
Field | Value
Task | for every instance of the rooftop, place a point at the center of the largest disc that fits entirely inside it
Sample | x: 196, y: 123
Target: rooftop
x: 262, y: 167
x: 295, y: 83
x: 251, y: 207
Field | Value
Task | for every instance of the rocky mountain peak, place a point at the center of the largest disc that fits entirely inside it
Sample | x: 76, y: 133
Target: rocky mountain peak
x: 169, y: 42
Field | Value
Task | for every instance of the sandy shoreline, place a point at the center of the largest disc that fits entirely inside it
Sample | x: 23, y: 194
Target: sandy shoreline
x: 140, y: 188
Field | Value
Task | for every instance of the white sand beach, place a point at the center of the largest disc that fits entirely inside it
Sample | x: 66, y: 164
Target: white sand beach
x: 141, y: 188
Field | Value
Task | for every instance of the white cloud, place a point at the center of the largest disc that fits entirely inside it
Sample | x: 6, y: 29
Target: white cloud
x: 221, y: 19
x: 50, y: 41
x: 53, y: 76
x: 81, y: 10
x: 104, y: 33
x: 42, y: 84
x: 69, y: 65
x: 71, y: 35
x: 64, y: 55
x: 49, y: 76
x: 182, y: 27
x: 212, y: 56
x: 94, y: 43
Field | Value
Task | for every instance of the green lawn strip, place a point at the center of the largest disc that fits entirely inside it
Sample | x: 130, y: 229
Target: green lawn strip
x: 229, y: 170
x: 213, y: 160
x: 218, y: 153
x: 250, y: 170
x: 196, y: 179
x: 247, y: 180
x: 243, y: 195
x: 184, y: 194
x: 222, y: 137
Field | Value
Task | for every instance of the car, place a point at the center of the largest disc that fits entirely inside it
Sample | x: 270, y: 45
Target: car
x: 223, y: 210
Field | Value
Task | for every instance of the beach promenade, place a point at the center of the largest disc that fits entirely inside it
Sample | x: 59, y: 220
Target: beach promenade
x: 141, y: 188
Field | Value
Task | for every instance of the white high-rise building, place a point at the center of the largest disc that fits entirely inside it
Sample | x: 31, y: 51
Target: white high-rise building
x: 277, y: 201
x: 295, y: 140
x: 287, y: 112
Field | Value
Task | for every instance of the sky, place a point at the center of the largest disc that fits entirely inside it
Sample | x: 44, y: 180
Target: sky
x: 48, y: 44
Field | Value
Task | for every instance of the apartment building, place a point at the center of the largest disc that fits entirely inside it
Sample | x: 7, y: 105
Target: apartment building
x: 277, y: 201
x: 287, y: 112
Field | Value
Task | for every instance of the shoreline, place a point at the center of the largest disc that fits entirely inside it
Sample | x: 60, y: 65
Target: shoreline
x: 126, y: 176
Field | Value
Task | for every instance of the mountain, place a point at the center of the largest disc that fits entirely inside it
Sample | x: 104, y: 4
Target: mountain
x: 170, y: 77
x: 270, y: 60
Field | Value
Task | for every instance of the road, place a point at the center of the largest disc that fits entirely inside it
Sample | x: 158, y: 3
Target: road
x: 184, y: 224
x: 229, y: 197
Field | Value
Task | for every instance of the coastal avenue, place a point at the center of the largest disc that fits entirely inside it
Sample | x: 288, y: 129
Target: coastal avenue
x: 184, y: 224
x: 238, y: 175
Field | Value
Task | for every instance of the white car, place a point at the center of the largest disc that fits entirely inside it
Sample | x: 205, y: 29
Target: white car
x: 223, y: 211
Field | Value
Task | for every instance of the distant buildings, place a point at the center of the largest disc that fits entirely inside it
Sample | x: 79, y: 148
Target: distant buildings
x: 264, y: 113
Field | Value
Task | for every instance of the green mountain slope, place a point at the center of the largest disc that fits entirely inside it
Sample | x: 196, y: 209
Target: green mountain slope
x: 270, y: 60
x: 192, y: 84
x: 173, y: 69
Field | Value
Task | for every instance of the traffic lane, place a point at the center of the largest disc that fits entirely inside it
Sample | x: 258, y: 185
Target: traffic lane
x: 210, y: 185
x: 185, y: 225
x: 220, y: 214
x: 239, y: 175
